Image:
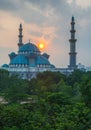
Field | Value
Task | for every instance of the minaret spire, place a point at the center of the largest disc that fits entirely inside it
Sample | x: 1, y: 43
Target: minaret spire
x: 72, y: 53
x: 20, y: 36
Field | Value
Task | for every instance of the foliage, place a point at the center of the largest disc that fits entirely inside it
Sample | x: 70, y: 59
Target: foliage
x: 53, y: 101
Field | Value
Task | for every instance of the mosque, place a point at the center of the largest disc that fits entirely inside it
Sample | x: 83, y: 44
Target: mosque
x: 29, y: 60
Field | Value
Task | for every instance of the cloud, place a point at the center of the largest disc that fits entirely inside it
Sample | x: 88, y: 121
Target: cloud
x: 84, y: 4
x: 35, y: 8
x: 48, y: 20
x: 9, y: 5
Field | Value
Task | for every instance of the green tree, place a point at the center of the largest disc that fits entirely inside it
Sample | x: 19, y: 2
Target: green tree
x: 75, y: 77
x: 13, y: 115
x: 16, y: 92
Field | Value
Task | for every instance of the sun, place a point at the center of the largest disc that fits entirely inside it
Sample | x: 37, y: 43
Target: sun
x: 41, y: 45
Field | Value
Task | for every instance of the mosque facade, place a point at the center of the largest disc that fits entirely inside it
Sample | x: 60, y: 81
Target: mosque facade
x: 28, y: 61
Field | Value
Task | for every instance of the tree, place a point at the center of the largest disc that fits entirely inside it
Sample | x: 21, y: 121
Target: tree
x: 75, y: 77
x: 13, y: 116
x: 16, y: 92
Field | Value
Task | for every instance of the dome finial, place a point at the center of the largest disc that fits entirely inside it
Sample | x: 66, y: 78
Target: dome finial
x: 29, y: 40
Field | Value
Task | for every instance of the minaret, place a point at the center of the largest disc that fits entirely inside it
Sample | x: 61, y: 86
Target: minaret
x: 20, y: 36
x: 72, y: 53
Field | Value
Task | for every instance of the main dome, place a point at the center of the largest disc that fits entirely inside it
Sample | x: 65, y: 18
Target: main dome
x: 29, y: 47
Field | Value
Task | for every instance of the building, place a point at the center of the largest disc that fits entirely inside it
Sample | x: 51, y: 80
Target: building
x: 72, y: 53
x: 29, y: 60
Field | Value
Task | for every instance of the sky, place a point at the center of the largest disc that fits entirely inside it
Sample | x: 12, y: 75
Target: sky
x: 47, y: 21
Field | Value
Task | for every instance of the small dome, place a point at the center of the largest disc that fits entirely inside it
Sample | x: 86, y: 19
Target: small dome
x: 20, y: 59
x: 42, y: 60
x: 12, y: 54
x: 52, y: 66
x: 45, y: 55
x: 29, y: 47
x: 5, y: 66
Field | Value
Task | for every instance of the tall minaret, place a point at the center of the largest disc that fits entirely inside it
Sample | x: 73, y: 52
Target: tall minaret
x: 20, y: 36
x: 72, y: 53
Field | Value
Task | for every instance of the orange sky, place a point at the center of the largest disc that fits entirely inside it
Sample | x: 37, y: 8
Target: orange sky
x: 48, y: 21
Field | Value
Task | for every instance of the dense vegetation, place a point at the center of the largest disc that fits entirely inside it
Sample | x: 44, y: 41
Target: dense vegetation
x: 53, y: 101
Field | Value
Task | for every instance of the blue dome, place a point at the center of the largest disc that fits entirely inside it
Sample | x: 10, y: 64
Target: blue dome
x: 42, y: 60
x: 20, y: 59
x: 5, y: 65
x: 52, y: 66
x: 12, y: 54
x: 45, y: 55
x: 29, y: 47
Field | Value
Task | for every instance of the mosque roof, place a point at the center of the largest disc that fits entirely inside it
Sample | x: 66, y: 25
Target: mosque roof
x: 12, y: 54
x: 29, y: 47
x: 22, y: 59
x: 26, y: 59
x: 42, y: 60
x: 45, y: 55
x: 52, y: 66
x: 19, y: 59
x: 5, y: 65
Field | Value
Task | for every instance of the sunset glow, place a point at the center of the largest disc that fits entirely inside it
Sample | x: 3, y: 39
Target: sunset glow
x: 41, y: 45
x: 48, y: 31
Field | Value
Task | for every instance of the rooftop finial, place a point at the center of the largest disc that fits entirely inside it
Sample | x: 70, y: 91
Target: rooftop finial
x: 72, y: 18
x: 29, y: 40
x: 20, y: 25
